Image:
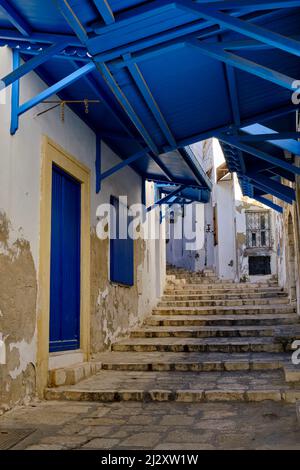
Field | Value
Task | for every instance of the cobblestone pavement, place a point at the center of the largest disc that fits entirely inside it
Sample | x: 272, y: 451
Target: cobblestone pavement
x: 165, y: 426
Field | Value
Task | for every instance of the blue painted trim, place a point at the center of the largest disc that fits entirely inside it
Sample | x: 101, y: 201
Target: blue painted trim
x: 98, y: 163
x: 15, y: 18
x: 105, y: 11
x: 15, y: 95
x: 31, y: 64
x: 268, y: 203
x: 124, y: 163
x: 57, y: 87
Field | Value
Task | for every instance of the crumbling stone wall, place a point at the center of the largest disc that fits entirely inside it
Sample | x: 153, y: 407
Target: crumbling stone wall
x: 115, y: 309
x: 18, y: 293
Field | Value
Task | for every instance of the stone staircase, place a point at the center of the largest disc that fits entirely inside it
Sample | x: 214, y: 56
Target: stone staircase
x: 207, y: 340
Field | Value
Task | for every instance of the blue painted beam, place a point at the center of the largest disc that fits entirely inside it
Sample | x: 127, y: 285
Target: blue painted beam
x: 105, y: 11
x: 246, y: 65
x: 72, y: 19
x: 163, y: 167
x: 15, y: 95
x: 39, y: 37
x: 285, y: 144
x: 244, y: 27
x: 150, y: 100
x: 15, y: 18
x: 193, y: 163
x: 124, y: 163
x: 267, y: 202
x: 233, y: 140
x: 235, y: 108
x: 98, y: 163
x: 279, y: 190
x: 31, y: 64
x: 271, y: 191
x: 57, y: 87
x: 121, y: 98
x: 165, y: 199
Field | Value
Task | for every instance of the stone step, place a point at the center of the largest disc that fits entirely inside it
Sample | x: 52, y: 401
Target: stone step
x: 225, y: 302
x: 225, y: 320
x: 170, y: 386
x: 292, y: 372
x: 222, y: 310
x: 216, y: 282
x: 205, y: 331
x: 73, y: 374
x: 225, y: 345
x: 187, y: 362
x: 236, y: 289
x: 223, y: 296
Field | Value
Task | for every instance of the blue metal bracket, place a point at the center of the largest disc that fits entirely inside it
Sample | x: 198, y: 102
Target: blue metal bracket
x: 124, y: 163
x: 31, y: 64
x: 15, y: 95
x: 18, y: 110
x: 166, y: 198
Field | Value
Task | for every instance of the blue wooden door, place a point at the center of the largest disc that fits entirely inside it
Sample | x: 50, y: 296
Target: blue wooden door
x: 65, y: 262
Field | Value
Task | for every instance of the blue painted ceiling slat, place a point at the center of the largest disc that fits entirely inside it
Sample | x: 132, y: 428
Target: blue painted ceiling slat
x: 181, y: 94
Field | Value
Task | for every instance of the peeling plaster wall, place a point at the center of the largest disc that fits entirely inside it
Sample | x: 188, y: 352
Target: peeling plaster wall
x: 114, y: 309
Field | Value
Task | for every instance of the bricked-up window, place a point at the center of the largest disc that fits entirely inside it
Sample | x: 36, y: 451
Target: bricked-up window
x: 258, y: 229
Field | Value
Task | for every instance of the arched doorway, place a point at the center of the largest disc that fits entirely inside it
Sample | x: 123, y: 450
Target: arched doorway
x: 291, y: 259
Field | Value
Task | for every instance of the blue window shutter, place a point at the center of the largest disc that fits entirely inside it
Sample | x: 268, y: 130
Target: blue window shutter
x: 121, y: 252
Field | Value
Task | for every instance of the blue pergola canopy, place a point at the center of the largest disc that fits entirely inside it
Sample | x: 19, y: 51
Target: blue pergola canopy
x: 171, y: 73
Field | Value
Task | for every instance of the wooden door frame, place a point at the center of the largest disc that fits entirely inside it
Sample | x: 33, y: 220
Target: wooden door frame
x: 54, y: 154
